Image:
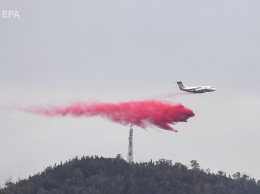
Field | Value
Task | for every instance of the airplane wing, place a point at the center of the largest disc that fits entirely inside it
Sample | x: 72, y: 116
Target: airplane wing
x: 197, y: 90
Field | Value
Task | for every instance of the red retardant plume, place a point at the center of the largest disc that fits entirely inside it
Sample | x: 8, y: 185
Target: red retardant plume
x: 141, y: 113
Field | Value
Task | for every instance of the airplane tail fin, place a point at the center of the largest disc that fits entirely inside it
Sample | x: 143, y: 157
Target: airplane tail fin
x: 180, y: 84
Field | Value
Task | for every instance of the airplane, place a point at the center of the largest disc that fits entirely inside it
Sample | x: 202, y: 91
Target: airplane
x: 195, y: 89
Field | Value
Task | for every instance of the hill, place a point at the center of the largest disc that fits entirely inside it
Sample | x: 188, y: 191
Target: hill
x: 98, y: 175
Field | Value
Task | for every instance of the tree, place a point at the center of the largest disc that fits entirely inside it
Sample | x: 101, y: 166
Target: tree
x: 195, y: 165
x: 237, y: 175
x: 221, y: 173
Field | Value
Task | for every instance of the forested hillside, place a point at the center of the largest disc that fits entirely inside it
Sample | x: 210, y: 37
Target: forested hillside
x: 98, y: 175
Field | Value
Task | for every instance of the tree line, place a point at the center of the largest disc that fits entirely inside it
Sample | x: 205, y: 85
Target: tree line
x: 99, y: 175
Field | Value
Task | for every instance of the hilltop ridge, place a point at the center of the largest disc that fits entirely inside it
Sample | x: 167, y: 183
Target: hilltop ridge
x: 95, y: 175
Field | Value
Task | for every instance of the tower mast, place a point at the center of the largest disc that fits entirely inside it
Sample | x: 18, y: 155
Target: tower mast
x: 130, y: 146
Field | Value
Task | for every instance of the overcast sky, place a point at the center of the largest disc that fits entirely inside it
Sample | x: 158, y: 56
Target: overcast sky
x: 60, y: 52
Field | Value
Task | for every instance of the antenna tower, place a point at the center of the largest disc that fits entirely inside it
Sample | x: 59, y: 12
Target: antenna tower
x: 130, y: 146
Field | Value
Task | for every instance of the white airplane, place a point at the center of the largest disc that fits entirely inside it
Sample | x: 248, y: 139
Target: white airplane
x: 195, y: 89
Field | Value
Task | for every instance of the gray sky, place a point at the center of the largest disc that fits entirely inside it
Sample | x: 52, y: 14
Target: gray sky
x: 60, y: 52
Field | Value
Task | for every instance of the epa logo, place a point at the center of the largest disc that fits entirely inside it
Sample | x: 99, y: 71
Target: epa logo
x: 7, y: 14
